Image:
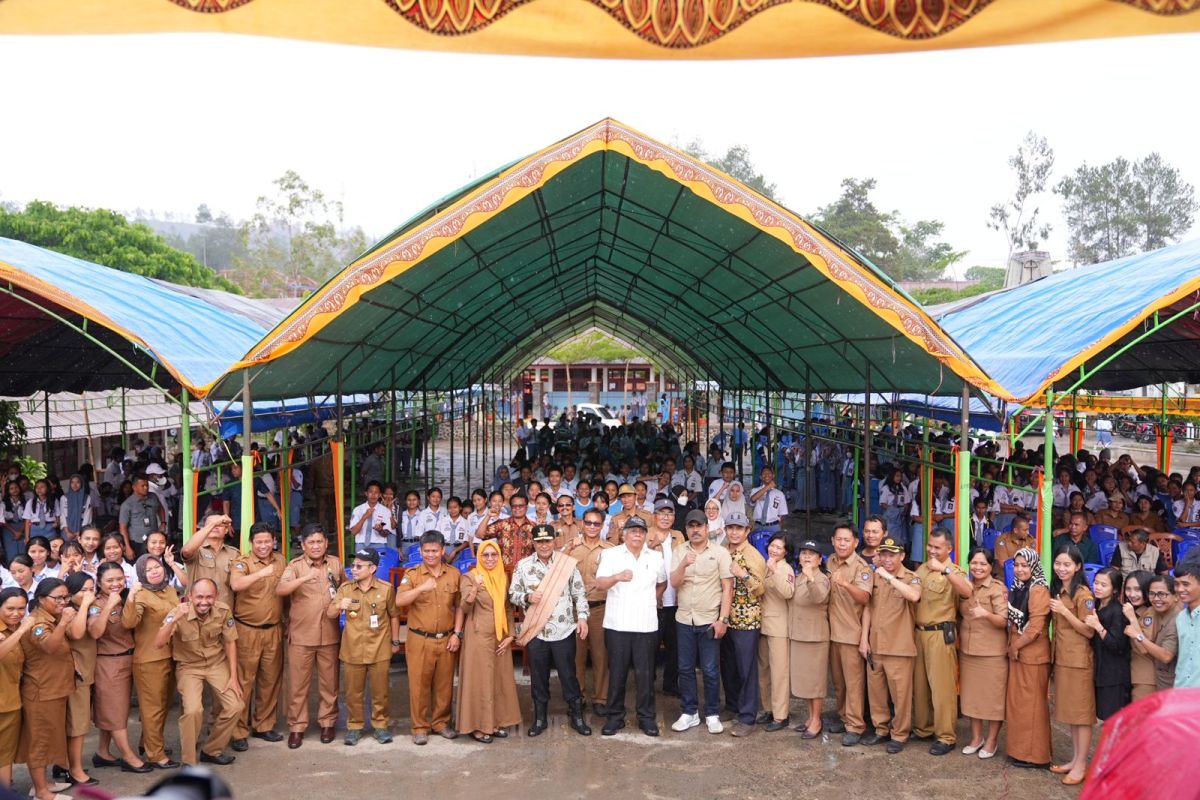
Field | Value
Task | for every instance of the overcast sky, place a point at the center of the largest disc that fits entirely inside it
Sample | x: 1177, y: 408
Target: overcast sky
x: 170, y: 121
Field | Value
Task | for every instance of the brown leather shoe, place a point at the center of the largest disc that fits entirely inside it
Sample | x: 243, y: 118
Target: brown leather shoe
x: 295, y: 740
x: 327, y: 735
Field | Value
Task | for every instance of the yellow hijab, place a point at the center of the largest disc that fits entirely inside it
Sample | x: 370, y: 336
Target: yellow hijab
x: 496, y: 583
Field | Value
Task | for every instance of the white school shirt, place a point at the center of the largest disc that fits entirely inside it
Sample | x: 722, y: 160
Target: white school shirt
x: 456, y: 530
x: 410, y: 527
x: 692, y: 481
x: 63, y: 506
x: 632, y: 606
x: 771, y: 507
x: 367, y: 535
x: 436, y: 521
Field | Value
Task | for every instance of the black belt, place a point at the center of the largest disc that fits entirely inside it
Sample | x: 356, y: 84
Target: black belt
x: 427, y: 635
x: 596, y: 603
x: 941, y: 626
x: 128, y: 652
x: 252, y: 625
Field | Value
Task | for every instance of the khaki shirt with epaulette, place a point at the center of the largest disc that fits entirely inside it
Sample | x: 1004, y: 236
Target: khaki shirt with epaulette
x: 892, y: 631
x: 199, y: 642
x: 308, y: 626
x: 367, y: 635
x: 588, y: 556
x: 939, y: 600
x: 1071, y: 648
x: 432, y: 612
x: 214, y: 564
x: 845, y: 613
x: 258, y: 604
x: 565, y: 533
x: 144, y: 614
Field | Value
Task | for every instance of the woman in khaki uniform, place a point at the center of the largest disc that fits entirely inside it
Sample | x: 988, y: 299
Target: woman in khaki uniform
x: 773, y: 671
x: 1142, y: 620
x: 983, y: 654
x: 114, y: 675
x: 14, y: 624
x: 808, y: 636
x: 1071, y: 602
x: 487, y: 702
x: 47, y: 681
x: 147, y: 606
x: 81, y: 636
x: 1026, y: 707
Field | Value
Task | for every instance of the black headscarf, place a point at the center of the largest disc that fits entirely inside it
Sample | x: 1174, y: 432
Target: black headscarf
x: 1018, y: 595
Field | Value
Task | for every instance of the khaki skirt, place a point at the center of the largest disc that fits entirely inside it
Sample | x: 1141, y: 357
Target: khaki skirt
x: 10, y: 736
x: 43, y: 733
x: 114, y: 685
x: 1074, y: 696
x: 984, y: 683
x: 809, y: 662
x: 79, y: 710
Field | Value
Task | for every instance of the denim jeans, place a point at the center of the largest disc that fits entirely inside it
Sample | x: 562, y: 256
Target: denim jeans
x: 698, y: 647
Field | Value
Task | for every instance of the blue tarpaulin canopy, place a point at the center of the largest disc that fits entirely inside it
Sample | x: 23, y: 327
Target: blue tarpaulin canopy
x: 945, y: 409
x: 1043, y: 332
x: 274, y: 414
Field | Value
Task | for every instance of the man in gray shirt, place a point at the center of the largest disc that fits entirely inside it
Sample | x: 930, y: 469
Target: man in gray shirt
x: 141, y: 514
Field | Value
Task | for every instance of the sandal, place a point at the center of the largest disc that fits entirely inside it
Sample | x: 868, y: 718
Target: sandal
x: 482, y: 738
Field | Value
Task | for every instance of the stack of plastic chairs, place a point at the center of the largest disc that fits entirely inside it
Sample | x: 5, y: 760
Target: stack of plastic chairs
x: 412, y: 555
x: 990, y: 535
x: 1104, y: 533
x: 759, y: 540
x: 1107, y: 547
x: 389, y: 557
x: 465, y: 561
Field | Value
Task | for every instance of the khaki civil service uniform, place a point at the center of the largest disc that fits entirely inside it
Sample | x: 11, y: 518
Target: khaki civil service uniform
x: 83, y: 655
x: 588, y: 556
x: 845, y: 632
x: 1074, y: 681
x: 430, y: 664
x: 1027, y: 714
x: 1006, y: 549
x: 893, y: 649
x: 565, y: 533
x: 774, y: 678
x: 935, y: 673
x: 198, y: 645
x: 616, y: 526
x: 808, y: 638
x: 312, y: 638
x: 983, y: 652
x: 10, y: 699
x: 258, y: 612
x: 153, y: 668
x: 48, y: 680
x: 214, y: 563
x: 366, y: 650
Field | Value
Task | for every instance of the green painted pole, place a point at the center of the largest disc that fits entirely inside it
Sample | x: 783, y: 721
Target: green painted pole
x: 1044, y: 522
x: 247, y: 465
x: 962, y: 497
x: 1164, y: 461
x: 188, y: 515
x: 866, y: 451
x: 391, y: 430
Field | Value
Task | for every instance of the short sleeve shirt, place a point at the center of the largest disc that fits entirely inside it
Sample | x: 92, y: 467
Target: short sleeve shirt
x: 892, y: 631
x: 698, y: 598
x: 432, y: 612
x: 199, y: 642
x: 308, y: 625
x: 939, y: 600
x: 140, y: 515
x: 845, y: 613
x: 632, y: 606
x: 367, y: 636
x: 258, y: 604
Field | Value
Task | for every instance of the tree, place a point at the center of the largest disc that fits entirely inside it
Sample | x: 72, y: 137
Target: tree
x: 1123, y: 207
x: 987, y: 279
x: 990, y: 277
x: 12, y: 428
x: 1017, y: 217
x: 218, y: 243
x: 106, y: 237
x: 737, y: 164
x: 904, y: 252
x: 295, y: 234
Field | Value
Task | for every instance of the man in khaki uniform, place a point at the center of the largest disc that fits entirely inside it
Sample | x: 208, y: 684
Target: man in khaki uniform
x: 567, y: 529
x: 587, y: 553
x: 258, y: 612
x: 311, y: 581
x: 627, y: 494
x: 890, y: 647
x: 849, y: 593
x: 1009, y: 544
x: 207, y: 556
x: 370, y: 638
x: 430, y: 592
x: 935, y: 694
x: 203, y: 641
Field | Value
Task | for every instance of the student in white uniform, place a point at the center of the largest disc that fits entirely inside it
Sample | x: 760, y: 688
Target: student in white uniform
x: 770, y: 503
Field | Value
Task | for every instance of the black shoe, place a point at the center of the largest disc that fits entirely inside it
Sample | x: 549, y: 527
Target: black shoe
x: 142, y: 770
x: 940, y: 748
x: 500, y: 733
x: 539, y: 720
x: 871, y: 738
x: 599, y: 709
x: 60, y: 774
x: 763, y: 718
x: 240, y: 745
x: 776, y: 725
x: 850, y: 738
x: 611, y: 728
x: 222, y: 760
x: 1019, y: 764
x: 577, y: 722
x: 268, y: 736
x: 168, y: 764
x: 835, y: 725
x: 98, y: 761
x: 649, y: 729
x: 89, y: 782
x: 894, y: 746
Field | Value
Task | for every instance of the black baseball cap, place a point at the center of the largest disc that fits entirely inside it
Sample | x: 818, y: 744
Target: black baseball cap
x: 367, y: 554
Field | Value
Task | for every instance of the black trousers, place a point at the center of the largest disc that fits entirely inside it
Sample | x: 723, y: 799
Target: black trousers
x: 667, y: 635
x: 739, y: 673
x: 636, y: 650
x: 560, y: 654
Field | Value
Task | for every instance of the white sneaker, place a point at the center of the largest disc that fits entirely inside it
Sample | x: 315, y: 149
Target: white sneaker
x: 714, y: 724
x: 685, y: 721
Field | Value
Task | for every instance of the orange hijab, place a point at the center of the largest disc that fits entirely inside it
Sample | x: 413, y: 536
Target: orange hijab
x: 496, y: 583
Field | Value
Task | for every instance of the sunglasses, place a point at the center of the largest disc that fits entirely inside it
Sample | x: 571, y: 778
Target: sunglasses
x: 592, y: 524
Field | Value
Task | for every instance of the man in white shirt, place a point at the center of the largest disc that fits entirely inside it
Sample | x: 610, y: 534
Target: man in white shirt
x: 635, y: 578
x: 720, y: 487
x: 770, y: 504
x: 371, y: 522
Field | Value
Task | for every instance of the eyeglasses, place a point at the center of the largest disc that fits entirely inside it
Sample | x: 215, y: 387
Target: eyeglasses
x: 592, y: 523
x: 59, y: 598
x: 1159, y: 595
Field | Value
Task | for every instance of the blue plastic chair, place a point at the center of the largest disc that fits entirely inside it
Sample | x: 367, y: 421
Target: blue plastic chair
x: 465, y: 562
x: 1107, y: 548
x: 412, y: 554
x: 388, y: 557
x: 1104, y: 533
x: 349, y: 574
x: 759, y: 540
x: 1182, y: 548
x: 1008, y: 573
x: 1188, y: 534
x: 1089, y: 572
x: 990, y: 535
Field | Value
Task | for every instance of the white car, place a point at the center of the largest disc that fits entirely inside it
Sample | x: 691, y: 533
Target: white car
x: 607, y: 418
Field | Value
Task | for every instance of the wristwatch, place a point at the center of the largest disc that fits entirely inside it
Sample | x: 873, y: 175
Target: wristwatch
x: 947, y: 571
x: 395, y: 642
x: 459, y: 634
x: 1141, y: 637
x: 724, y: 620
